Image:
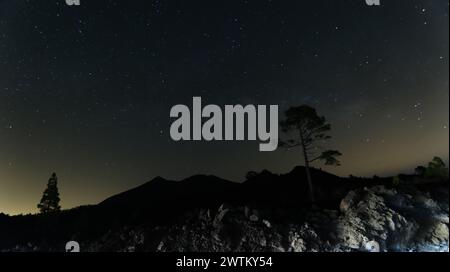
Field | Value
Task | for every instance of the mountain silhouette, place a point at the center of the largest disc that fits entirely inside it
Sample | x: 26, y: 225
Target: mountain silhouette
x: 163, y: 202
x: 162, y: 198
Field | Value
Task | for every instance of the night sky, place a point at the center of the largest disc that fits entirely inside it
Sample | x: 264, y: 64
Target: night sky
x: 86, y: 91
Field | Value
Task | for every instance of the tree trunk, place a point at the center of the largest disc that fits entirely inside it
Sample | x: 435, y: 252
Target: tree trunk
x: 308, y: 174
x: 308, y: 177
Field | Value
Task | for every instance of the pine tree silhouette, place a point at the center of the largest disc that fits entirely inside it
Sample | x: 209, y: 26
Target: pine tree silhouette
x: 309, y: 130
x: 50, y: 199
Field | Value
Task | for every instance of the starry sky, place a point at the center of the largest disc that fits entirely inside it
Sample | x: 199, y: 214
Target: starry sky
x: 86, y: 91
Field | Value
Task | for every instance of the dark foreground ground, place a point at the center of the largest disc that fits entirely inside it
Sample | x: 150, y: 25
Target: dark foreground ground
x: 268, y: 212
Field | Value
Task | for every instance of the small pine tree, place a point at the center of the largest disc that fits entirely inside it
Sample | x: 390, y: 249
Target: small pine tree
x: 50, y: 199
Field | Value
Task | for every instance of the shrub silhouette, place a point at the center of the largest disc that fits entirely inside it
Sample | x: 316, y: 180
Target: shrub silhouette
x: 436, y: 169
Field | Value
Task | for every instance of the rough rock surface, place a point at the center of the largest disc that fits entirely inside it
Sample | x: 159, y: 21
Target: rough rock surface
x: 370, y: 219
x: 374, y: 219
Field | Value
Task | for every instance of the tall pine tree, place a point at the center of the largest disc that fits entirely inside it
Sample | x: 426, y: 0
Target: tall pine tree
x: 309, y: 131
x: 50, y: 199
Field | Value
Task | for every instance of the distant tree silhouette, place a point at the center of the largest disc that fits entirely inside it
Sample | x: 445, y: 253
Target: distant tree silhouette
x: 420, y: 171
x: 50, y: 199
x: 310, y: 129
x: 250, y: 175
x: 436, y: 168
